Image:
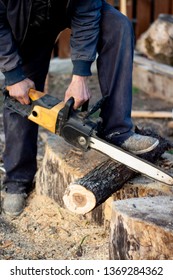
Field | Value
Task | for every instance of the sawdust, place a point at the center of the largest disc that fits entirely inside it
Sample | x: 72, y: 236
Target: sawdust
x: 46, y: 231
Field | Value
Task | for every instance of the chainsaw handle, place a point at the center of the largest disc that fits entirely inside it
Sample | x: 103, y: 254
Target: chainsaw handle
x: 32, y: 93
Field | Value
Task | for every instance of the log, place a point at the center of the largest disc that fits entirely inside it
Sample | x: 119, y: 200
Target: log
x: 156, y: 79
x: 156, y: 43
x: 96, y: 187
x: 142, y: 229
x: 152, y: 114
x: 103, y: 181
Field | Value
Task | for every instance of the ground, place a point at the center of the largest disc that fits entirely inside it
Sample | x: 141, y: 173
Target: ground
x: 46, y: 231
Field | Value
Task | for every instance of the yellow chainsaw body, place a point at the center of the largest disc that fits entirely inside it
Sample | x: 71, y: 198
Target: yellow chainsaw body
x: 44, y: 116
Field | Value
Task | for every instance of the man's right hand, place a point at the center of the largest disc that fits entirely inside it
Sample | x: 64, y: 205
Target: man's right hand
x: 20, y: 90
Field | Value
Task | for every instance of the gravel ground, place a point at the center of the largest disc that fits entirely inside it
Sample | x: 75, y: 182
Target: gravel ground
x: 46, y: 231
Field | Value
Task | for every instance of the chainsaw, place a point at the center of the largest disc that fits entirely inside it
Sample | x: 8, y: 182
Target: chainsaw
x: 80, y: 129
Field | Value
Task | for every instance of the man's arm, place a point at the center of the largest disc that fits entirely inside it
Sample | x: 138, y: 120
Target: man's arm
x: 85, y: 26
x: 10, y: 61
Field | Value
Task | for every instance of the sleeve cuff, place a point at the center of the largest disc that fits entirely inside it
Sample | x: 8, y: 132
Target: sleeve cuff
x: 14, y: 76
x: 82, y: 67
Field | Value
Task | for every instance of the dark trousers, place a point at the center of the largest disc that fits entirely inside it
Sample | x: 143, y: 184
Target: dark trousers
x: 115, y: 57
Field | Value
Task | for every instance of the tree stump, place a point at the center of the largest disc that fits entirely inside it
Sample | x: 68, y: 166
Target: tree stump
x: 137, y: 187
x: 142, y: 229
x: 63, y: 164
x: 157, y: 42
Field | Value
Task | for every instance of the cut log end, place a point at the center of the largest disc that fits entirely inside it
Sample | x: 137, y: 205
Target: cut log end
x: 78, y: 199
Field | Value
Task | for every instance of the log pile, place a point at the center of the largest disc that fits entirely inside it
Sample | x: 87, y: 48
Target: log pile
x: 81, y: 181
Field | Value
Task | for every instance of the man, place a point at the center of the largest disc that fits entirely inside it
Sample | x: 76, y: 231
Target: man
x: 28, y: 30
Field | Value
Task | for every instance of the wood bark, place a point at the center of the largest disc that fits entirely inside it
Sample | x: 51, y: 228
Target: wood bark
x: 142, y: 229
